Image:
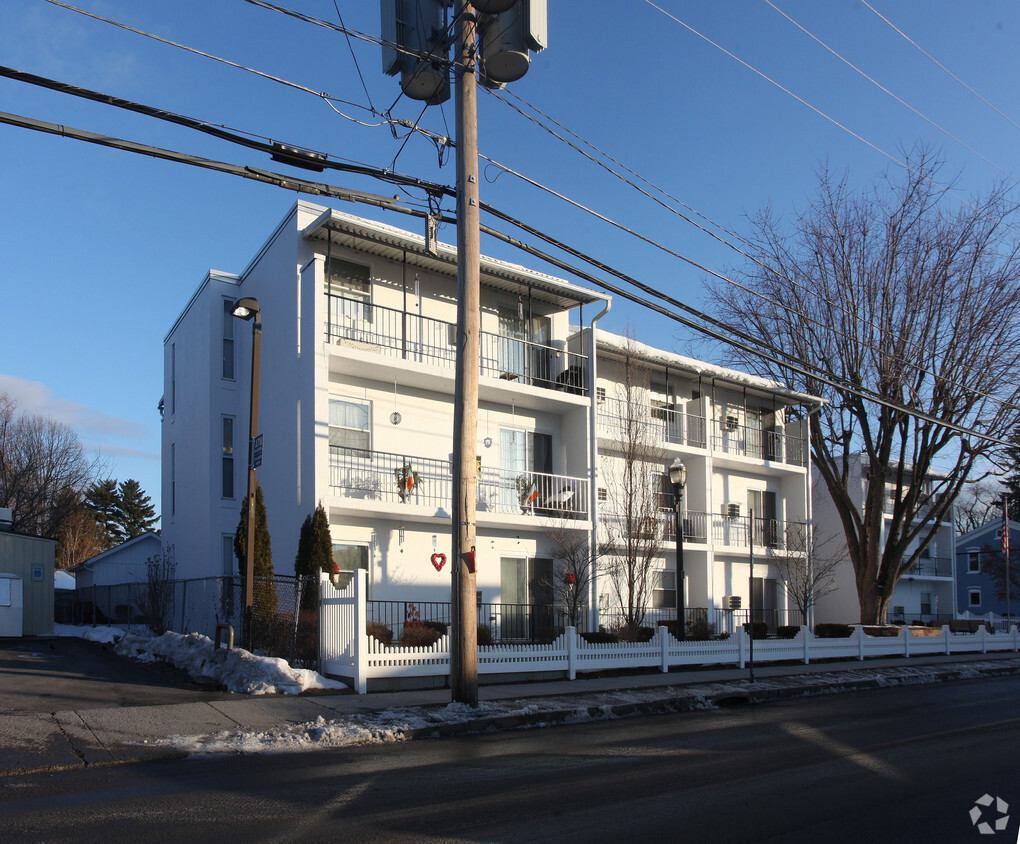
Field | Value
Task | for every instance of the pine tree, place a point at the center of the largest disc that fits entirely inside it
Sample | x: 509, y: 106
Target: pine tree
x: 102, y: 499
x: 315, y: 551
x: 136, y: 515
x: 264, y: 591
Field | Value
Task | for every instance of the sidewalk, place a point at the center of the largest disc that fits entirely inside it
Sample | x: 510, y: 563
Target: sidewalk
x: 36, y: 741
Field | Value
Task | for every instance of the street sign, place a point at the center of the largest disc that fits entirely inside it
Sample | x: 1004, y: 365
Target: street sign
x: 256, y: 452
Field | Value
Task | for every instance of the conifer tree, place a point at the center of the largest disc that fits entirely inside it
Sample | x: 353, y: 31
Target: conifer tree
x: 264, y: 593
x: 135, y: 515
x: 315, y: 551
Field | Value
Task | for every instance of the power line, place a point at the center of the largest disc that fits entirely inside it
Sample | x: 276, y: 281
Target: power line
x: 751, y: 345
x: 898, y: 99
x: 432, y: 190
x: 295, y: 151
x: 939, y: 64
x: 329, y: 99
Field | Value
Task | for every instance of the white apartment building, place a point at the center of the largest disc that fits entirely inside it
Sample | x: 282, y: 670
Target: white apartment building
x: 357, y: 384
x: 744, y: 453
x: 925, y: 593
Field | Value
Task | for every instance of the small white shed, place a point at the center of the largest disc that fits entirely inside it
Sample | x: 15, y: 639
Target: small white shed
x: 12, y: 605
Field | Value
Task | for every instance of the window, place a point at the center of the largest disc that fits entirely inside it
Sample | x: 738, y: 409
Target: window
x: 173, y: 378
x: 228, y: 339
x: 973, y: 562
x: 173, y: 478
x: 230, y: 567
x: 228, y: 457
x: 926, y: 603
x: 349, y: 423
x: 974, y: 597
x: 349, y: 558
x: 352, y: 284
x: 663, y: 588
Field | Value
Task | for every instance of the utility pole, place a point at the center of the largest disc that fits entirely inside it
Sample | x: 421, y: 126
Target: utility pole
x: 415, y: 45
x: 464, y: 644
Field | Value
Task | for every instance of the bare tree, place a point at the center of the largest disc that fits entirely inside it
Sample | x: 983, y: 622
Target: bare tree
x: 43, y: 470
x: 80, y: 538
x: 633, y: 524
x: 574, y: 571
x: 977, y: 503
x: 808, y: 566
x: 155, y: 597
x: 901, y: 294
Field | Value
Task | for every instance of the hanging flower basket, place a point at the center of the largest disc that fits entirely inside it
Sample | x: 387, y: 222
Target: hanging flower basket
x: 334, y: 575
x: 408, y: 480
x: 527, y: 491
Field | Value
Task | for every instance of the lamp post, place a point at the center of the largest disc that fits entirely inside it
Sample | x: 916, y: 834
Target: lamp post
x: 248, y: 309
x: 678, y: 477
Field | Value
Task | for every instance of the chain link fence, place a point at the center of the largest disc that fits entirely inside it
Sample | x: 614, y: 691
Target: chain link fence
x: 280, y: 626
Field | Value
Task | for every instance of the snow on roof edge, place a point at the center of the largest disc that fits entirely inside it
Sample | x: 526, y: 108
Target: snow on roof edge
x: 623, y: 345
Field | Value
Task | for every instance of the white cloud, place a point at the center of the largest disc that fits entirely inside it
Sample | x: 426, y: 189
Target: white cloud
x: 97, y: 430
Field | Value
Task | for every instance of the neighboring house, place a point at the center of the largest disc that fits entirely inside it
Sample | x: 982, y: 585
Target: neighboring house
x: 357, y: 383
x: 975, y: 551
x: 124, y: 563
x: 26, y: 581
x: 108, y: 586
x: 925, y: 593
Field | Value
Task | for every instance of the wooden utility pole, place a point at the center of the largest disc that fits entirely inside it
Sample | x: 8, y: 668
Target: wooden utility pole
x: 464, y: 641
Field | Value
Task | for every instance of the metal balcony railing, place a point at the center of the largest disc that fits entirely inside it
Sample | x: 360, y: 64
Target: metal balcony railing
x: 406, y: 478
x: 419, y: 338
x: 932, y: 567
x: 645, y: 422
x: 759, y: 443
x: 703, y: 527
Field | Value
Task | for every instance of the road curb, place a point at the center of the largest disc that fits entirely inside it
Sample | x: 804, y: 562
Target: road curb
x: 675, y: 699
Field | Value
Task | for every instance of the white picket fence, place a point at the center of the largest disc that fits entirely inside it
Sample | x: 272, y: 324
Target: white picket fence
x: 348, y: 652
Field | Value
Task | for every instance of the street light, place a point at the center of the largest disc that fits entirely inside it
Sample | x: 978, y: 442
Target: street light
x: 248, y: 310
x: 678, y: 477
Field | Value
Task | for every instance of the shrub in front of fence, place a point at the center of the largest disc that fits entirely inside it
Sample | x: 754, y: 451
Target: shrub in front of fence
x: 830, y: 630
x: 700, y: 629
x: 632, y: 633
x: 787, y: 631
x: 380, y: 632
x: 417, y: 634
x: 757, y: 630
x: 484, y: 636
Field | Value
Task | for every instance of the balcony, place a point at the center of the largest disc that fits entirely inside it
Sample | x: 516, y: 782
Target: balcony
x: 647, y: 423
x: 433, y: 342
x: 931, y: 567
x: 384, y: 476
x: 772, y: 444
x: 709, y: 528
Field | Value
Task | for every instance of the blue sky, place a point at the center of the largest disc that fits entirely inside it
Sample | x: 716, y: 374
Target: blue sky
x: 100, y: 249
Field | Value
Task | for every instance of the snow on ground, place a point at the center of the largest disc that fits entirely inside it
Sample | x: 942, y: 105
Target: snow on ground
x: 243, y: 672
x: 236, y: 670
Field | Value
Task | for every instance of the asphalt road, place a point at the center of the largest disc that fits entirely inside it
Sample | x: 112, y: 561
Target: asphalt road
x: 889, y: 765
x: 54, y: 674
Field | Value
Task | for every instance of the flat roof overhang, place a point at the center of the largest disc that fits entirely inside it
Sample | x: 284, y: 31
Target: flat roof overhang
x: 394, y: 244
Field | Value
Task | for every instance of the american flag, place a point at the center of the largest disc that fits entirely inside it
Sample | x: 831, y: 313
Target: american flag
x: 1005, y: 529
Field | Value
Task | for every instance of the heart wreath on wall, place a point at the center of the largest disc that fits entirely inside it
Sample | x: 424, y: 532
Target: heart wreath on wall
x: 439, y: 560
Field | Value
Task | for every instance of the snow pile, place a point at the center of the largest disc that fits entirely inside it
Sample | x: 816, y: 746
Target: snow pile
x: 236, y: 670
x: 388, y: 725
